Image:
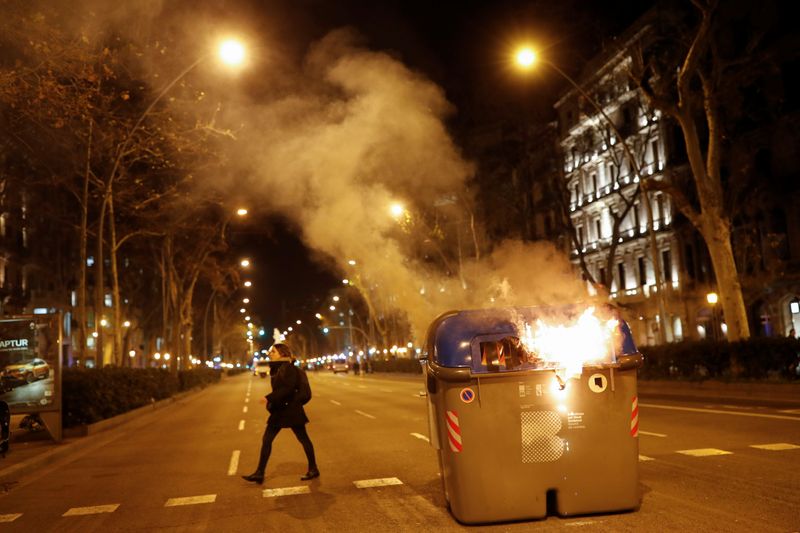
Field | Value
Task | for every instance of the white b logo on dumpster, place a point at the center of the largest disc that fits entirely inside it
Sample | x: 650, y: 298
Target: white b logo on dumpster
x: 540, y: 442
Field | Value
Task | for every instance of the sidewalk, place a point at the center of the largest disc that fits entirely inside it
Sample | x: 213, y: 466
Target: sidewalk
x: 29, y: 452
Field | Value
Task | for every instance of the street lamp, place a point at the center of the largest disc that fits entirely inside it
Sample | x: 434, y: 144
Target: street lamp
x: 712, y: 298
x: 525, y: 58
x: 245, y: 263
x: 397, y: 209
x: 231, y: 52
x: 241, y: 212
x: 248, y: 283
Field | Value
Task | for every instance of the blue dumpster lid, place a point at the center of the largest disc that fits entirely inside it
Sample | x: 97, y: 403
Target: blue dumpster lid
x: 454, y: 334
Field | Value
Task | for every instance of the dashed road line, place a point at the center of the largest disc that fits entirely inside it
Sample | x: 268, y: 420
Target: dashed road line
x: 649, y: 434
x: 241, y: 425
x: 362, y: 413
x: 704, y: 452
x: 644, y: 458
x: 244, y: 409
x: 334, y: 402
x: 776, y: 447
x: 381, y: 482
x: 717, y: 411
x: 95, y: 509
x: 9, y: 517
x: 420, y: 436
x: 234, y: 463
x: 191, y: 500
x: 286, y: 491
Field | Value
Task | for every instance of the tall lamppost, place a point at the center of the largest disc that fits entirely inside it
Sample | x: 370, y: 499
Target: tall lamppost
x: 526, y: 58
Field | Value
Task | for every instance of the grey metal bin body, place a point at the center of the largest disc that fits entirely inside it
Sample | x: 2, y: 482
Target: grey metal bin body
x: 507, y: 439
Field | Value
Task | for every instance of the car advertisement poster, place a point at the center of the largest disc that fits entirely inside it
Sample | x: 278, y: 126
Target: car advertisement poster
x: 29, y: 359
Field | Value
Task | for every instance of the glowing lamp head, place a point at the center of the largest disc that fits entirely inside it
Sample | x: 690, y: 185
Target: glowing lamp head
x: 241, y: 211
x: 231, y: 52
x: 397, y: 209
x: 712, y: 298
x: 525, y: 57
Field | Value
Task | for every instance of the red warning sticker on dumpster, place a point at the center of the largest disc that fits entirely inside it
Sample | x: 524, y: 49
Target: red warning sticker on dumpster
x: 453, y: 431
x: 635, y: 417
x: 467, y: 395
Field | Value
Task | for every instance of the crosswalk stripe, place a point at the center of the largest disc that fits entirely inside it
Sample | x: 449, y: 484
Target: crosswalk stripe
x: 649, y: 434
x: 362, y: 413
x: 96, y: 509
x: 645, y: 458
x: 191, y: 500
x: 244, y: 409
x: 9, y: 517
x: 380, y: 482
x: 286, y: 491
x: 421, y: 437
x: 704, y: 452
x: 234, y: 464
x: 776, y: 447
x: 334, y: 402
x: 717, y: 412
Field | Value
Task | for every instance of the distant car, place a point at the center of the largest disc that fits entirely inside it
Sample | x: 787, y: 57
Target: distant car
x: 27, y: 371
x: 340, y: 366
x: 261, y: 368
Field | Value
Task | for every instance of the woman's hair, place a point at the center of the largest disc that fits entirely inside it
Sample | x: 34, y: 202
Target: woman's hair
x: 283, y: 349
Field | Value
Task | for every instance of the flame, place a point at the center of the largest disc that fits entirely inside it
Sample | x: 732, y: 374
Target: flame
x: 568, y: 347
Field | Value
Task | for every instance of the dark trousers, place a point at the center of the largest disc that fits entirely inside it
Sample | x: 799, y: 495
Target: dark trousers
x: 269, y: 435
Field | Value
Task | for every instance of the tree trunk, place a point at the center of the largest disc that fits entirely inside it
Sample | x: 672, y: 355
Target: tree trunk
x: 81, y: 318
x: 116, y: 326
x: 99, y: 287
x: 719, y: 248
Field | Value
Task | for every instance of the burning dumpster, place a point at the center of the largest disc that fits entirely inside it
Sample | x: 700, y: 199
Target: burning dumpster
x: 534, y: 410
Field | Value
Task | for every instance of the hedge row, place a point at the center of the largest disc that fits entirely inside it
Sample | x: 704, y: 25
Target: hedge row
x: 757, y: 358
x: 93, y: 394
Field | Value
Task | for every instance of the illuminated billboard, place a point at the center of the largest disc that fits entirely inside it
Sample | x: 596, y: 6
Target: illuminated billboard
x: 30, y: 367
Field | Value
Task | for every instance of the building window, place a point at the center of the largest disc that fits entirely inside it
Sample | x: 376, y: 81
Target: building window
x: 666, y: 261
x: 654, y: 147
x: 594, y: 182
x: 598, y: 228
x: 602, y: 275
x: 642, y: 272
x: 660, y: 208
x: 108, y: 301
x: 636, y: 221
x: 689, y: 254
x: 580, y: 235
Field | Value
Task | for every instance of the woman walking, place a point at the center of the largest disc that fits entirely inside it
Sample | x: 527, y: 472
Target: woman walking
x: 286, y: 411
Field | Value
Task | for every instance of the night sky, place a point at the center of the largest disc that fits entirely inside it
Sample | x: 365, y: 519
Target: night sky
x: 463, y: 46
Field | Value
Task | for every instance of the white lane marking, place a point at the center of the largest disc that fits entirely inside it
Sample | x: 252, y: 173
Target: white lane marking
x: 234, y: 464
x: 385, y: 390
x: 96, y: 509
x: 241, y: 425
x: 381, y: 482
x: 790, y: 411
x: 246, y: 399
x: 645, y: 458
x: 191, y: 500
x: 421, y: 437
x: 244, y: 409
x: 580, y: 523
x: 334, y: 402
x: 362, y: 413
x: 777, y: 447
x: 704, y: 452
x: 717, y: 411
x: 9, y: 517
x: 651, y: 434
x: 286, y: 491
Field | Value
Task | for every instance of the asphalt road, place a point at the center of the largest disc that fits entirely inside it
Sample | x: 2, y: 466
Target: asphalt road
x: 700, y: 469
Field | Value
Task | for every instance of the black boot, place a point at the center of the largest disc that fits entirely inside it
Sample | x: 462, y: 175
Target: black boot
x: 311, y: 474
x: 256, y: 477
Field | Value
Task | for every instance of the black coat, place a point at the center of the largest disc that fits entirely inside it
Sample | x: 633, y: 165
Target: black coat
x: 284, y: 410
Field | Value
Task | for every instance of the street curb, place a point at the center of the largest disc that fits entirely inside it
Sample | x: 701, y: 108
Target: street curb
x: 62, y: 450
